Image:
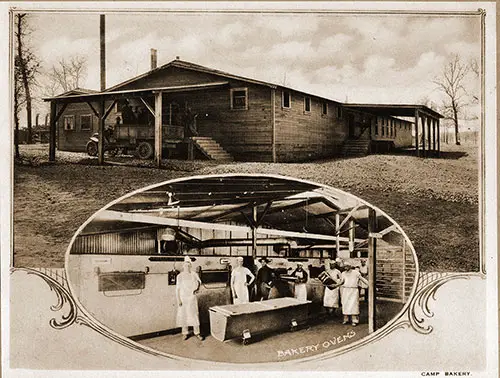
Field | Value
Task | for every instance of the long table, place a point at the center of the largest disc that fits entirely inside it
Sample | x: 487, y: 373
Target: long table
x: 231, y: 321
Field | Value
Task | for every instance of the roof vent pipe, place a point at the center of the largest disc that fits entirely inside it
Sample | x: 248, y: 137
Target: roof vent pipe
x: 154, y: 59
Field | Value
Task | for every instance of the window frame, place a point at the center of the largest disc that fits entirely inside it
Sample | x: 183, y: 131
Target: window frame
x: 90, y: 123
x: 231, y: 98
x: 339, y: 112
x: 306, y: 98
x: 324, y: 108
x: 72, y: 118
x: 283, y: 92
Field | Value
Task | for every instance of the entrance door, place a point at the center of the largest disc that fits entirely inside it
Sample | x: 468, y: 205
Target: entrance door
x: 350, y: 120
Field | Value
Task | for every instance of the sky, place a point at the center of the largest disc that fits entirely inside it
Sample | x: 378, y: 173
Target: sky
x: 346, y: 57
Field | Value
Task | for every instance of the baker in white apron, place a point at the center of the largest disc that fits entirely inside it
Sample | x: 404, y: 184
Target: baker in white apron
x: 239, y: 283
x: 331, y: 296
x: 363, y: 269
x: 188, y: 284
x: 350, y: 293
x: 300, y: 284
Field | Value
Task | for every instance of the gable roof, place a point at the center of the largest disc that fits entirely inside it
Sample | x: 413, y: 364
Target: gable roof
x: 77, y: 91
x: 194, y: 67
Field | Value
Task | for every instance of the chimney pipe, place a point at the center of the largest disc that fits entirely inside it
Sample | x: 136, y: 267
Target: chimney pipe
x: 102, y: 28
x: 154, y: 59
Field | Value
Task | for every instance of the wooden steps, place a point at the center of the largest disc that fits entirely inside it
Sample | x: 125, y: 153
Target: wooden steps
x: 356, y: 147
x: 211, y: 149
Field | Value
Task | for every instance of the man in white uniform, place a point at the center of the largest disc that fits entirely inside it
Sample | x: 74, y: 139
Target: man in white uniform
x: 188, y: 284
x: 331, y: 296
x: 350, y: 293
x: 239, y: 283
x: 300, y: 283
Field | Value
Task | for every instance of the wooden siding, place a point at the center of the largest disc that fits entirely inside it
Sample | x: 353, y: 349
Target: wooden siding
x: 302, y: 135
x: 76, y: 139
x: 393, y: 129
x: 396, y: 272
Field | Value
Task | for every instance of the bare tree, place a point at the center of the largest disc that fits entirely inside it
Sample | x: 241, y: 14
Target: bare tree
x: 452, y: 84
x: 27, y: 67
x: 66, y: 75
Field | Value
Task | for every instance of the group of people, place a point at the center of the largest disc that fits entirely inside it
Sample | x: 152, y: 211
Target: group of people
x: 342, y: 289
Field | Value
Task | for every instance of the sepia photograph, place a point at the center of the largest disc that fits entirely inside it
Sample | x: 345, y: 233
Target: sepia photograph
x: 250, y: 187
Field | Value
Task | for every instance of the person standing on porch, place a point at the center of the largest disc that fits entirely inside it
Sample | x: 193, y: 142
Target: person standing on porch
x: 187, y: 286
x: 239, y: 283
x: 300, y: 284
x: 350, y: 293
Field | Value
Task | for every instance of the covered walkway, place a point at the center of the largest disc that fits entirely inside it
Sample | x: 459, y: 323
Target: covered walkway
x: 426, y: 124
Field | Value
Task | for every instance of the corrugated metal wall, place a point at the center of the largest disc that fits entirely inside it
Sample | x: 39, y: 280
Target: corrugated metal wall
x: 124, y: 243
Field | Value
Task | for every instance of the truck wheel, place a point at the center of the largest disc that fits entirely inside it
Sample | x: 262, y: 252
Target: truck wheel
x: 145, y: 150
x: 92, y: 148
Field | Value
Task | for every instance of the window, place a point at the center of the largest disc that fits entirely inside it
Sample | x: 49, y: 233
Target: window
x: 307, y: 104
x: 376, y: 126
x: 69, y: 122
x: 85, y: 122
x: 324, y: 109
x: 339, y: 112
x: 239, y: 98
x: 286, y: 99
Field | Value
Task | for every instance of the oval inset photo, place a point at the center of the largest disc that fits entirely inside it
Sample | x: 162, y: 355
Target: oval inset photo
x: 242, y: 268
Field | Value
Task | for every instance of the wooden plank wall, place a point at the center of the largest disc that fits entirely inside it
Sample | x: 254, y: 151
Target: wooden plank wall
x: 245, y: 134
x: 76, y: 139
x: 304, y: 135
x: 395, y: 273
x: 402, y: 131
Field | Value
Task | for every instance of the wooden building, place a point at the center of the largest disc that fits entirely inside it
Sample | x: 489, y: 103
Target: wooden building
x: 247, y: 119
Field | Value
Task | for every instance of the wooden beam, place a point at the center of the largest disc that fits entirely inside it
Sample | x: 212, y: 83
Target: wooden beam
x: 438, y: 138
x: 344, y: 221
x: 158, y: 128
x: 96, y: 113
x: 434, y: 135
x: 416, y: 132
x: 352, y: 234
x: 429, y: 139
x: 60, y: 112
x: 372, y: 271
x: 151, y: 110
x: 151, y: 219
x: 102, y: 32
x: 337, y: 236
x: 53, y: 131
x: 424, y: 152
x: 388, y: 229
x: 254, y: 232
x: 100, y: 145
x: 108, y: 110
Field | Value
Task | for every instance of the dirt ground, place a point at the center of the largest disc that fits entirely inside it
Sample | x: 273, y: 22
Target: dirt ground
x: 434, y: 200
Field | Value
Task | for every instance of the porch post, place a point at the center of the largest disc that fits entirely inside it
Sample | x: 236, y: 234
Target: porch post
x: 416, y: 132
x: 100, y: 145
x: 434, y: 135
x: 53, y: 131
x: 337, y: 240
x: 438, y: 138
x: 429, y: 143
x: 372, y: 271
x: 158, y: 128
x: 352, y: 234
x: 424, y: 152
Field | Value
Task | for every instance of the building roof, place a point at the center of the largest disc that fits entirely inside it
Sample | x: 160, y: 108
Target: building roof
x: 398, y: 110
x: 381, y: 109
x: 77, y: 91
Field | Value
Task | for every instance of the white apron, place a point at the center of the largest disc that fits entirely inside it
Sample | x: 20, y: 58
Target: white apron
x: 301, y: 292
x: 331, y: 297
x: 239, y: 285
x: 187, y: 314
x: 350, y: 292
